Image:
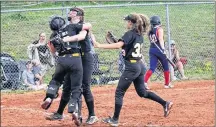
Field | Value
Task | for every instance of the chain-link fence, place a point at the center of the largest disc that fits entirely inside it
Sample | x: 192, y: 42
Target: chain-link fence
x: 190, y: 25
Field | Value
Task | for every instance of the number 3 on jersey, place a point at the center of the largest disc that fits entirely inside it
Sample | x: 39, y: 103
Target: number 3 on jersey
x: 137, y: 52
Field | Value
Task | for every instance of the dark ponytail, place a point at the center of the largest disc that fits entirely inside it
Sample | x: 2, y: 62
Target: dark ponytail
x: 146, y: 23
x: 137, y: 23
x: 141, y: 23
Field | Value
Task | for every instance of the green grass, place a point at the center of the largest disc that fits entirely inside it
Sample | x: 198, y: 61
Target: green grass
x: 192, y: 27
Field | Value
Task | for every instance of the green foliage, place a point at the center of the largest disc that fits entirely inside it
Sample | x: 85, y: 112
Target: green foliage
x: 18, y: 17
x: 192, y: 28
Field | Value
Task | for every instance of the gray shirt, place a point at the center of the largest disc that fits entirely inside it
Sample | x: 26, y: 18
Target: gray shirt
x: 36, y: 70
x: 29, y: 76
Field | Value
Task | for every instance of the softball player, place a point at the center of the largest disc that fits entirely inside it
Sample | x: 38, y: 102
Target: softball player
x: 70, y: 63
x: 156, y: 37
x: 132, y: 42
x: 87, y: 64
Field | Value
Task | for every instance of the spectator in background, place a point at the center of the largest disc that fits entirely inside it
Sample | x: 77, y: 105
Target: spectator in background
x: 177, y: 61
x: 39, y: 50
x: 37, y: 71
x: 29, y: 78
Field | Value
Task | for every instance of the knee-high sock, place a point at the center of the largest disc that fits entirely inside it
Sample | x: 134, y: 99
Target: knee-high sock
x: 167, y: 77
x: 90, y: 105
x: 62, y: 106
x: 117, y: 111
x: 147, y: 76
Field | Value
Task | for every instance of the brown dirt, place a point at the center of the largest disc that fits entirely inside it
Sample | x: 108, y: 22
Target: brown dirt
x: 193, y: 106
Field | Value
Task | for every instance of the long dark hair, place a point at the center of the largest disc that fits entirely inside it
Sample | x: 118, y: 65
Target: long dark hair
x: 146, y: 23
x: 80, y: 12
x: 140, y: 23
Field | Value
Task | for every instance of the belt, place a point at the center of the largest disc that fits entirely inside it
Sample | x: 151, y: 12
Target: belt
x: 73, y: 54
x: 133, y: 61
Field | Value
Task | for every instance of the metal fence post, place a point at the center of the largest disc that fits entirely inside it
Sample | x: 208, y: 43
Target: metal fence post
x: 67, y: 11
x: 62, y: 8
x: 168, y: 34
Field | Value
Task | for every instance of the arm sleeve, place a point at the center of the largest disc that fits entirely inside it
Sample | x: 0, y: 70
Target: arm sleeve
x: 78, y: 27
x: 126, y: 38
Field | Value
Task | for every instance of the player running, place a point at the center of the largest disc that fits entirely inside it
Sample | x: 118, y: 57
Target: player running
x: 132, y: 42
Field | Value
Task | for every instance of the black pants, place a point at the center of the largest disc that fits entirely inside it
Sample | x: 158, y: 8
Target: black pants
x: 134, y: 72
x: 69, y: 68
x: 87, y: 64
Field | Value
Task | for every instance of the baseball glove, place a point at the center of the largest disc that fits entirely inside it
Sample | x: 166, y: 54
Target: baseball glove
x: 110, y: 38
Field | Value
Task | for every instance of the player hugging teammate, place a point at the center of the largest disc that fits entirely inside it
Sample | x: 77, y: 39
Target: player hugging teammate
x: 77, y: 77
x: 76, y: 16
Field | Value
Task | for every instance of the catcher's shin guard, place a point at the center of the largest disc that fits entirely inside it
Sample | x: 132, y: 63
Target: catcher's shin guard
x: 52, y: 90
x: 72, y: 106
x: 52, y: 93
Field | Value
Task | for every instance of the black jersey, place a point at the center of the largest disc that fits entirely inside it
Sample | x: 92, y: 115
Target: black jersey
x: 71, y: 30
x: 153, y: 37
x: 86, y: 44
x: 67, y: 47
x: 132, y: 45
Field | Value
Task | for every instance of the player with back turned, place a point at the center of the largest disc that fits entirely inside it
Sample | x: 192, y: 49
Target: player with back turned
x: 69, y: 62
x: 131, y: 42
x: 157, y: 41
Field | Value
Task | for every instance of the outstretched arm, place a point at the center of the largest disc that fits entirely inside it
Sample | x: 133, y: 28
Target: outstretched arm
x: 75, y: 38
x: 109, y: 46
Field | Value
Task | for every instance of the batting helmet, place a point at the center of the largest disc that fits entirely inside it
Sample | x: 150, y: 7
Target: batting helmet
x: 57, y: 23
x: 155, y: 20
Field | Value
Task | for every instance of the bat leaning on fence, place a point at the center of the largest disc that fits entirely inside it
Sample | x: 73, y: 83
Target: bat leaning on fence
x: 170, y: 61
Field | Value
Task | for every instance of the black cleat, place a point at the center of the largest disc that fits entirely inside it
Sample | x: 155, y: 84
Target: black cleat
x: 46, y: 104
x: 167, y: 108
x: 55, y: 116
x: 111, y: 121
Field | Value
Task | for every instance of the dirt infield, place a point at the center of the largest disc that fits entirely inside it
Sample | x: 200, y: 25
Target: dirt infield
x: 193, y: 106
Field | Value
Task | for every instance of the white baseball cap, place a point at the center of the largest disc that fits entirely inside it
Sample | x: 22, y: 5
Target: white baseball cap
x: 172, y: 42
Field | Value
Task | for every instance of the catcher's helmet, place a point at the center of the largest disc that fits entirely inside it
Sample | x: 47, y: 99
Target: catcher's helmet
x: 57, y: 23
x: 155, y: 20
